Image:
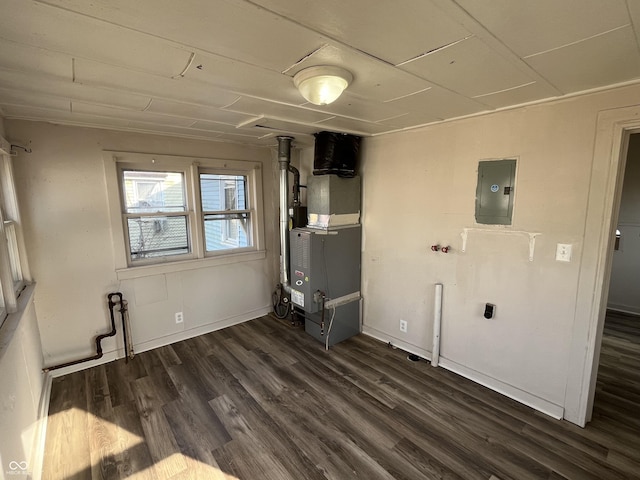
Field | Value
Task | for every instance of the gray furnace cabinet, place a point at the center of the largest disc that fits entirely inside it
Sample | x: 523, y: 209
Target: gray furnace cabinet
x: 327, y: 262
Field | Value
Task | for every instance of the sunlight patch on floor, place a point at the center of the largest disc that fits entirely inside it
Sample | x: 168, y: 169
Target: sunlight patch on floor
x: 193, y: 470
x: 109, y: 444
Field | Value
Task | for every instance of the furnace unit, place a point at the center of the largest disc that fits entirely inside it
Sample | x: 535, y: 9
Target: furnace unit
x: 325, y: 260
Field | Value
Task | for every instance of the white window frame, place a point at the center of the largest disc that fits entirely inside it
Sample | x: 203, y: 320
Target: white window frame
x: 188, y: 213
x: 228, y: 234
x: 115, y: 162
x: 251, y: 210
x: 14, y: 268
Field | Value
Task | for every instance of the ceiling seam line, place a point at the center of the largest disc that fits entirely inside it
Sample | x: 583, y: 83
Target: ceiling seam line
x: 636, y: 33
x: 176, y: 44
x: 570, y: 44
x: 505, y: 90
x: 488, y: 38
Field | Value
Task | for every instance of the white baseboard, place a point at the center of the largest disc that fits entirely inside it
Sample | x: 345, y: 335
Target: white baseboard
x: 517, y: 394
x: 396, y: 342
x: 166, y: 340
x: 106, y: 358
x: 204, y: 329
x: 37, y: 455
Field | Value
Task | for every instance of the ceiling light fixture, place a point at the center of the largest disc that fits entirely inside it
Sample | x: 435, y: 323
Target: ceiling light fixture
x: 322, y: 85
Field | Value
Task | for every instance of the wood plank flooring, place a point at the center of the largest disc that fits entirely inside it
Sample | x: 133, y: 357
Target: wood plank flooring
x: 263, y: 400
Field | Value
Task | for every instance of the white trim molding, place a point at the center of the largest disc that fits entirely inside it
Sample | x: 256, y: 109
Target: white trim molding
x: 609, y: 156
x: 515, y: 393
x: 167, y: 340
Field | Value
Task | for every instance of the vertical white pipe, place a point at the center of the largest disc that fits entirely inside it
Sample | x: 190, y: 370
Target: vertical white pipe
x: 437, y: 321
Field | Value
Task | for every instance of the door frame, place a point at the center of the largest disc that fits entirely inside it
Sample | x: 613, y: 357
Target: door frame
x: 613, y: 129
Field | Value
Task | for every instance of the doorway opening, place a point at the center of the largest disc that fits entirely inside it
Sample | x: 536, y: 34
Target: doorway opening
x: 617, y: 390
x: 623, y: 294
x: 614, y: 129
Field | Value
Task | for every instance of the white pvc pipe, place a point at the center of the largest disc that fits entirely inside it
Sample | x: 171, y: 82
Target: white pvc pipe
x: 437, y: 321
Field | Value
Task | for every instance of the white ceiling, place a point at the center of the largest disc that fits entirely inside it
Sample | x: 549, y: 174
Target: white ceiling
x: 222, y: 69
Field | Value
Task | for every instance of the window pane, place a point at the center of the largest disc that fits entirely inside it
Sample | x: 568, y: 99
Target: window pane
x: 14, y: 257
x: 157, y: 236
x: 225, y: 231
x: 150, y: 192
x: 223, y: 192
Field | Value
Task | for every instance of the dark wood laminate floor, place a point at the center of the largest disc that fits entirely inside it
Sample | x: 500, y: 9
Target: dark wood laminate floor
x: 263, y: 400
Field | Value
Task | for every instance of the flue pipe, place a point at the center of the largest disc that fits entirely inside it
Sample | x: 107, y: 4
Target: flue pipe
x: 284, y: 160
x: 296, y: 186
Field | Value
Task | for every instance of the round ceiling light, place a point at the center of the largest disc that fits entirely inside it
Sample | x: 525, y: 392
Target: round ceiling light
x: 323, y: 84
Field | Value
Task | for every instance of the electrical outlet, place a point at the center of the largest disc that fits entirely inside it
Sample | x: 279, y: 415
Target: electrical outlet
x: 563, y: 252
x: 403, y: 326
x: 179, y: 317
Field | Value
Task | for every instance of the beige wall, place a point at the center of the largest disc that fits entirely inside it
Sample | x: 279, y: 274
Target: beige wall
x: 625, y: 273
x: 419, y: 190
x: 68, y: 234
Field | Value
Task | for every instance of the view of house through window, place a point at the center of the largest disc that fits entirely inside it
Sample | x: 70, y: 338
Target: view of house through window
x: 156, y: 213
x: 174, y: 211
x: 226, y: 211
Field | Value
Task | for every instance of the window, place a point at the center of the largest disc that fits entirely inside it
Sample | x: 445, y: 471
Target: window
x: 226, y: 213
x: 155, y: 213
x: 173, y: 209
x: 14, y: 271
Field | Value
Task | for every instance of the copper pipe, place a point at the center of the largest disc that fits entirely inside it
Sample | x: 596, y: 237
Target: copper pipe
x: 99, y: 338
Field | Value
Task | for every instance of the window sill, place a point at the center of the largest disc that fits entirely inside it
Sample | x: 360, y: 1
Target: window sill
x: 12, y: 322
x: 180, y: 266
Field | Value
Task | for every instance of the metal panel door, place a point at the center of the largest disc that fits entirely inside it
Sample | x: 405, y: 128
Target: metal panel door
x: 494, y: 194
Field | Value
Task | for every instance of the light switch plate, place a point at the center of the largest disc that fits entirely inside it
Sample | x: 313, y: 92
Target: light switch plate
x: 563, y: 252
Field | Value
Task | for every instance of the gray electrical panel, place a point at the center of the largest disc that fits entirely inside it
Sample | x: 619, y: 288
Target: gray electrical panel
x: 327, y: 262
x: 494, y: 194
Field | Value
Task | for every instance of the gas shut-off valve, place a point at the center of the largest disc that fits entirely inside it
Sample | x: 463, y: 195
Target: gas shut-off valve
x: 436, y: 248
